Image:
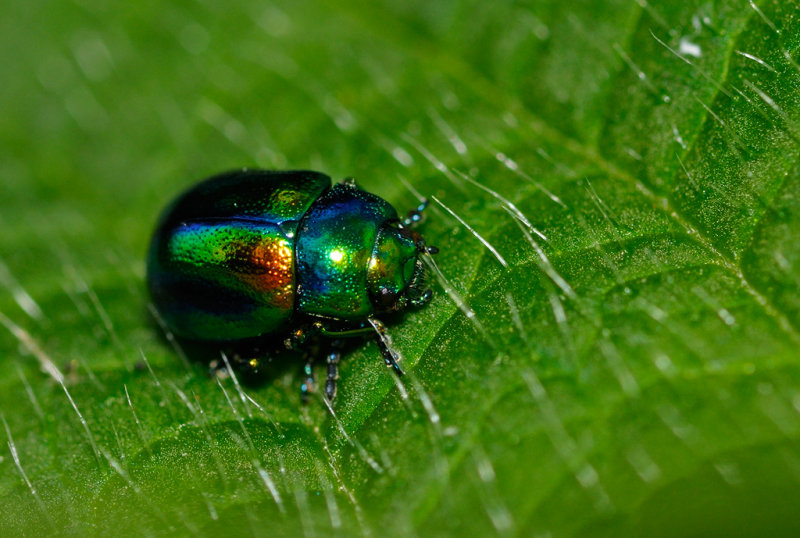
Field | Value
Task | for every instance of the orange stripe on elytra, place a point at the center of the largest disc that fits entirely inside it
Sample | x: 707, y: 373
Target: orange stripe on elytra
x: 273, y: 276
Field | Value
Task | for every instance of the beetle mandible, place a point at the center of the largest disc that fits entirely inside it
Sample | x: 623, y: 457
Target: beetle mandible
x: 250, y: 254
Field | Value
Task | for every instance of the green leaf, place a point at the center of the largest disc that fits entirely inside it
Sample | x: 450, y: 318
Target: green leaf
x: 613, y: 344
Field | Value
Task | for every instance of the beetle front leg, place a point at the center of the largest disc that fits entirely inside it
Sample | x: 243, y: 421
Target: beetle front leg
x: 390, y: 356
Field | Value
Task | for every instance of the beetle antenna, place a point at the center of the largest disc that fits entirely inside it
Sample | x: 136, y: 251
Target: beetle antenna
x: 415, y: 216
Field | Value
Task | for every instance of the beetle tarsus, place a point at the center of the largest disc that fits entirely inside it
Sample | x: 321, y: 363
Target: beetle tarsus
x: 390, y: 356
x: 333, y: 375
x: 308, y: 385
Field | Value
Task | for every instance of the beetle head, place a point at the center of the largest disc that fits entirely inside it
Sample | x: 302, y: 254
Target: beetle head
x: 396, y: 274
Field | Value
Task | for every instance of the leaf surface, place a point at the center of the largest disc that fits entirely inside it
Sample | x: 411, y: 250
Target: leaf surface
x: 612, y: 348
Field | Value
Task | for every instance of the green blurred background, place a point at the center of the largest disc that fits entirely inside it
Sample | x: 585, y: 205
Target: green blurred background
x: 623, y: 362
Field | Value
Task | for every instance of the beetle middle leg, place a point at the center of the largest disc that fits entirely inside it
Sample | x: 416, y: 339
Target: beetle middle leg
x: 309, y: 383
x: 302, y: 337
x: 333, y: 373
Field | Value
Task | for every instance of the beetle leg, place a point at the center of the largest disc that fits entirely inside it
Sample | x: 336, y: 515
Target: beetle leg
x: 233, y: 361
x: 390, y: 356
x: 299, y: 337
x: 309, y: 385
x: 333, y: 374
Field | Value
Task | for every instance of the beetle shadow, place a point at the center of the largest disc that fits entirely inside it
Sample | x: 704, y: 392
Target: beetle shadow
x: 273, y: 360
x: 255, y: 361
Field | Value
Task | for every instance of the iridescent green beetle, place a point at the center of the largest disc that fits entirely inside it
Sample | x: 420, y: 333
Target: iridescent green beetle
x: 283, y: 255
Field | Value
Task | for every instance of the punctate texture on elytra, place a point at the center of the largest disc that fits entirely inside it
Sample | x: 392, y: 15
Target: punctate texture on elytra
x: 284, y: 255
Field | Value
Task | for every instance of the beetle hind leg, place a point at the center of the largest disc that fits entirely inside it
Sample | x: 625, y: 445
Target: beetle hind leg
x: 232, y: 362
